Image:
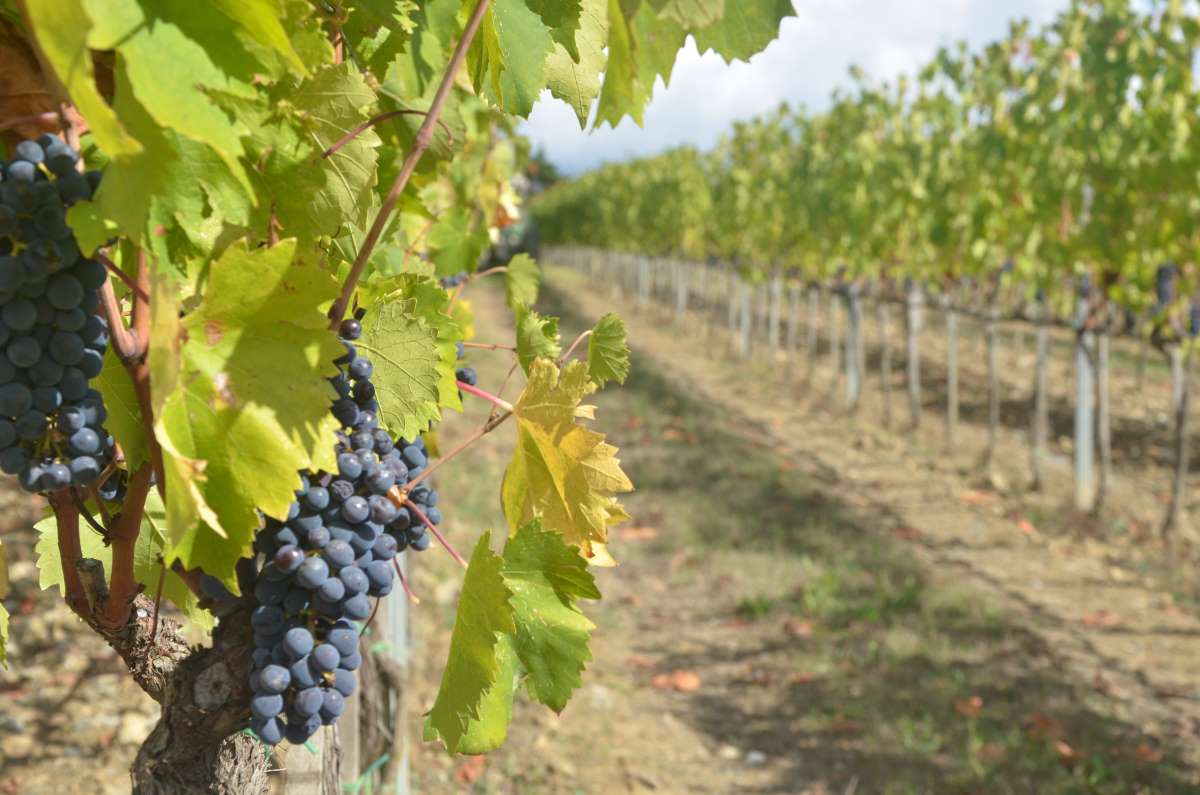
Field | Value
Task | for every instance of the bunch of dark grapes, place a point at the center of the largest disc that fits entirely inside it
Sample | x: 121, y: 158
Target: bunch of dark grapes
x: 450, y: 282
x: 334, y: 552
x: 51, y: 339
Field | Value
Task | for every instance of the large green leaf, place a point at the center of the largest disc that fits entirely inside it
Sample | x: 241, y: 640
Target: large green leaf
x: 61, y: 28
x: 746, y: 27
x: 537, y: 337
x: 489, y: 729
x: 547, y: 577
x: 124, y: 417
x: 250, y: 406
x: 573, y: 72
x: 404, y: 351
x: 507, y: 60
x: 484, y: 613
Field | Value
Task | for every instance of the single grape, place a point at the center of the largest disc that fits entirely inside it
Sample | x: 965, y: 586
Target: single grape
x: 308, y: 702
x: 297, y: 642
x: 344, y: 682
x: 357, y: 607
x: 356, y: 510
x: 325, y: 658
x: 333, y: 707
x: 355, y: 579
x: 266, y: 706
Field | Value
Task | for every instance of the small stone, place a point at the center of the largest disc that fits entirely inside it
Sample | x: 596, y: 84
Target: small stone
x: 11, y: 725
x: 756, y: 758
x: 728, y: 752
x: 16, y: 746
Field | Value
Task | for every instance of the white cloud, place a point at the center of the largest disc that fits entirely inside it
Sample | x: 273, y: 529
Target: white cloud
x: 803, y: 66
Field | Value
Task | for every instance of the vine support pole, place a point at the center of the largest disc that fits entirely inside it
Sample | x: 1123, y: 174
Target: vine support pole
x: 1040, y: 421
x: 812, y: 319
x: 915, y: 301
x: 835, y: 341
x: 793, y: 329
x: 883, y: 312
x: 1085, y: 393
x: 1103, y: 419
x: 747, y: 327
x: 1175, y: 522
x: 951, y: 373
x: 855, y: 353
x: 775, y: 310
x: 991, y: 340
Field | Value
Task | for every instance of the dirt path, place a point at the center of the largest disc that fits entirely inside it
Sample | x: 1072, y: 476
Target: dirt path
x: 810, y: 605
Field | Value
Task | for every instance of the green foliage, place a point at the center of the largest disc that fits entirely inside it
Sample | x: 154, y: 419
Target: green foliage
x: 537, y: 337
x: 521, y: 281
x: 608, y: 352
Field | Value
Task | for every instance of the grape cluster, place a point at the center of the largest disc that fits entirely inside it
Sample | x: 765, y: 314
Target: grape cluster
x: 333, y: 552
x: 450, y: 282
x: 52, y: 341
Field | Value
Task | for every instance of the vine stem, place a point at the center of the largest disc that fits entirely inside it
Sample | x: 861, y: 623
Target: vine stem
x: 488, y: 396
x: 412, y: 506
x: 123, y: 342
x: 404, y: 581
x: 69, y: 552
x: 382, y: 117
x: 574, y: 345
x: 123, y: 586
x: 420, y: 144
x: 487, y: 428
x: 115, y: 270
x: 489, y: 346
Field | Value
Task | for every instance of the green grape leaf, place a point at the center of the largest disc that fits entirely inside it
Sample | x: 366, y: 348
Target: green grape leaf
x: 746, y: 27
x: 573, y: 72
x: 404, y: 351
x: 250, y: 406
x: 488, y: 731
x: 124, y: 417
x: 61, y: 28
x: 261, y: 20
x: 561, y: 471
x: 484, y: 613
x: 547, y: 577
x: 608, y: 352
x: 174, y: 55
x: 521, y: 281
x: 691, y: 13
x: 563, y: 19
x: 537, y: 337
x: 49, y: 561
x: 429, y: 302
x: 457, y: 240
x: 507, y: 60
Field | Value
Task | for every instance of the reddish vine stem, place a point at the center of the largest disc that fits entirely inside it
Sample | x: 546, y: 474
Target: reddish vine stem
x: 574, y: 345
x: 420, y: 144
x: 412, y: 597
x: 412, y: 506
x: 489, y: 346
x: 140, y: 324
x: 488, y: 396
x: 69, y: 552
x: 123, y: 586
x: 124, y: 345
x: 382, y: 117
x: 488, y: 427
x: 113, y: 268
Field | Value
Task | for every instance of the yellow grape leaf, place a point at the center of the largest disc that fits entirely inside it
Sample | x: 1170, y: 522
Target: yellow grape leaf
x: 561, y: 471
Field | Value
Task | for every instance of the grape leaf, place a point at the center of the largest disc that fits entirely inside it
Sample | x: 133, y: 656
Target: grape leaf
x: 563, y: 19
x: 489, y: 730
x: 484, y: 612
x: 457, y: 241
x: 537, y: 336
x: 147, y: 557
x: 573, y: 72
x: 521, y: 281
x: 430, y: 303
x: 561, y: 471
x: 507, y: 59
x: 260, y: 19
x: 546, y: 578
x: 690, y: 12
x: 746, y: 27
x: 608, y: 353
x: 61, y: 28
x: 124, y: 417
x: 405, y: 353
x: 251, y: 404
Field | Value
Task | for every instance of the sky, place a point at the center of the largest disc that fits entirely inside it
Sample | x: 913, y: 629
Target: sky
x: 803, y: 66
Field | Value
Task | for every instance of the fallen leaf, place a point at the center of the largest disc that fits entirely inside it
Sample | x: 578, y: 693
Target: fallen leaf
x: 968, y: 707
x: 1043, y: 727
x: 1026, y: 527
x: 802, y: 678
x: 1146, y: 754
x: 630, y: 599
x: 798, y: 627
x: 906, y: 533
x: 633, y: 423
x: 1065, y: 752
x: 1102, y: 685
x: 737, y: 622
x: 1102, y: 618
x: 991, y: 752
x: 470, y: 771
x: 638, y: 533
x: 640, y: 661
x: 846, y: 726
x: 975, y: 497
x: 680, y: 680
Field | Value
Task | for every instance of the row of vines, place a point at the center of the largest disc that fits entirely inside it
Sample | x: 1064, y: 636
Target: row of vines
x: 238, y: 242
x: 1050, y: 176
